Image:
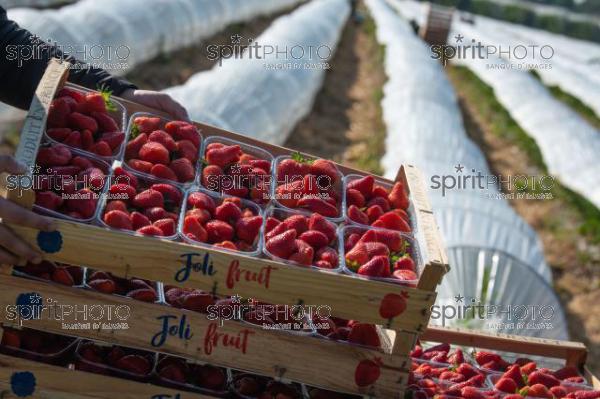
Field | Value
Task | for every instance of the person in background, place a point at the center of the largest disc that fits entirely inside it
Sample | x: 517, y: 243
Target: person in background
x: 20, y: 78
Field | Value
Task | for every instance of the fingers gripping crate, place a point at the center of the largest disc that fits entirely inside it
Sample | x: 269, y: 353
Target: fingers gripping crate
x: 226, y: 273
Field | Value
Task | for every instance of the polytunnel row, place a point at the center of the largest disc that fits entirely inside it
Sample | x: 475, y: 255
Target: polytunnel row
x: 496, y: 258
x: 266, y: 97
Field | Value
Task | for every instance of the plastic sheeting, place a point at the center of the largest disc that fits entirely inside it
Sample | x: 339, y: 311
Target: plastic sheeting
x: 253, y: 96
x: 425, y: 128
x: 508, y: 290
x: 34, y: 3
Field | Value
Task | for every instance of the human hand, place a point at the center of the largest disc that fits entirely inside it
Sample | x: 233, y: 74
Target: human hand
x: 13, y: 250
x: 157, y: 100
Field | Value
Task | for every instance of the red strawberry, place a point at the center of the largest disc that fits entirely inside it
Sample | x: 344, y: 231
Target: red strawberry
x: 558, y: 391
x: 271, y: 223
x: 287, y: 194
x: 74, y: 139
x: 48, y: 200
x: 133, y: 147
x: 154, y: 152
x: 183, y: 169
x: 167, y: 226
x: 466, y: 369
x: 80, y: 122
x: 183, y: 131
x: 138, y: 220
x: 382, y: 202
x: 74, y: 94
x: 398, y: 197
x: 364, y: 185
x: 135, y: 364
x: 228, y: 212
x: 87, y: 140
x: 393, y: 221
x: 101, y: 148
x: 514, y: 373
x: 288, y: 168
x: 224, y: 156
x: 172, y: 372
x: 124, y: 190
x: 261, y: 164
x: 105, y: 122
x: 357, y: 215
x: 314, y: 238
x: 303, y: 254
x: 538, y: 377
x: 355, y: 197
x: 147, y: 124
x: 392, y: 305
x: 59, y: 133
x: 329, y: 255
x: 364, y: 334
x: 94, y: 102
x: 472, y: 393
x: 404, y: 263
x: 392, y: 239
x: 538, y: 391
x: 376, y: 249
x: 566, y: 372
x: 351, y: 241
x: 113, y: 139
x: 211, y: 377
x: 103, y: 285
x: 56, y: 155
x: 323, y: 167
x: 483, y: 357
x: 148, y: 199
x: 143, y: 294
x: 155, y: 213
x: 319, y: 223
x: 356, y: 257
x: 169, y: 192
x: 296, y: 222
x: 227, y: 245
x: 211, y: 177
x: 163, y: 172
x: 282, y: 245
x: 84, y: 203
x: 405, y: 275
x: 162, y: 137
x: 139, y: 165
x: 378, y: 266
x: 187, y: 149
x: 318, y: 205
x: 58, y: 114
x: 150, y: 231
x: 525, y: 369
x: 202, y: 215
x: 247, y: 229
x: 219, y: 231
x: 201, y: 200
x: 115, y: 205
x: 118, y: 220
x: 379, y: 191
x: 193, y: 229
x: 62, y: 276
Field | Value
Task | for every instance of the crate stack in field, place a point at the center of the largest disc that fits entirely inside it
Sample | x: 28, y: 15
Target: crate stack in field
x: 401, y: 309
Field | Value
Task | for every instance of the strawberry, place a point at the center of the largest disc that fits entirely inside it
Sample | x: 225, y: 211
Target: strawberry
x: 379, y: 191
x: 80, y: 122
x: 282, y: 245
x: 378, y: 266
x: 363, y: 185
x: 355, y: 197
x: 483, y: 357
x: 200, y: 200
x: 124, y: 190
x: 118, y: 220
x: 296, y: 222
x: 327, y: 254
x: 74, y: 139
x: 134, y: 364
x: 113, y: 139
x: 314, y: 238
x: 84, y: 203
x: 123, y: 176
x: 11, y: 338
x: 351, y: 241
x: 356, y: 257
x: 382, y: 202
x: 323, y: 167
x: 210, y: 377
x: 101, y: 148
x: 148, y: 199
x: 162, y: 137
x: 247, y: 229
x: 405, y: 275
x: 538, y: 377
x: 398, y: 197
x: 303, y: 254
x: 392, y: 305
x: 173, y: 373
x: 466, y: 369
x: 228, y: 212
x: 271, y: 223
x: 183, y: 131
x: 376, y: 249
x: 150, y: 231
x: 471, y: 393
x: 74, y: 94
x: 154, y: 152
x: 133, y: 146
x: 393, y: 221
x: 319, y: 223
x: 139, y: 165
x: 186, y: 149
x: 525, y: 369
x: 223, y: 156
x: 260, y: 164
x: 514, y: 373
x: 163, y: 172
x: 169, y: 192
x: 183, y: 169
x: 193, y: 229
x: 211, y: 177
x: 566, y: 372
x: 357, y: 215
x: 59, y: 133
x: 58, y: 113
x: 219, y: 231
x: 105, y: 122
x: 459, y: 358
x: 94, y: 103
x: 288, y: 194
x: 558, y: 391
x: 146, y: 124
x: 506, y: 385
x: 48, y: 200
x: 143, y: 294
x: 392, y: 239
x: 167, y: 226
x: 105, y: 286
x: 62, y: 276
x: 404, y: 263
x: 538, y: 391
x: 364, y: 334
x: 227, y: 245
x: 202, y: 215
x: 288, y: 168
x: 155, y: 213
x: 318, y: 205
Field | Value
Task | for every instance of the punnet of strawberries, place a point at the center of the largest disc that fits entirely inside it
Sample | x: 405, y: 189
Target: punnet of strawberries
x: 247, y: 385
x: 302, y: 238
x: 114, y: 360
x: 380, y: 253
x: 58, y: 273
x: 86, y: 121
x: 237, y: 169
x: 107, y: 283
x: 67, y: 182
x: 137, y: 204
x: 36, y: 345
x: 164, y: 149
x: 311, y: 184
x: 225, y: 222
x: 179, y: 373
x: 189, y: 298
x: 347, y: 330
x: 371, y: 203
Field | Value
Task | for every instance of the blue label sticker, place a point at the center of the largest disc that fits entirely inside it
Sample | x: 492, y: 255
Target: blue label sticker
x: 22, y: 383
x: 50, y: 241
x: 30, y: 305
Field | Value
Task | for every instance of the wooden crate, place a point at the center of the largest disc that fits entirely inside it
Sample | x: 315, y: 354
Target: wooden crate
x: 438, y: 24
x: 573, y: 353
x: 228, y: 273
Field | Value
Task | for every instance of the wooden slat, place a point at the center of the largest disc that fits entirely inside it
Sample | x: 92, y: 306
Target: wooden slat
x: 232, y: 344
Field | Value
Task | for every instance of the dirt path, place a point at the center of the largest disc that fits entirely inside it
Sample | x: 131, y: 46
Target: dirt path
x: 573, y: 257
x: 345, y: 124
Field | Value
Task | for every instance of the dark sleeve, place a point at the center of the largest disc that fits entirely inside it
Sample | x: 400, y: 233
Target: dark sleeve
x: 20, y: 75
